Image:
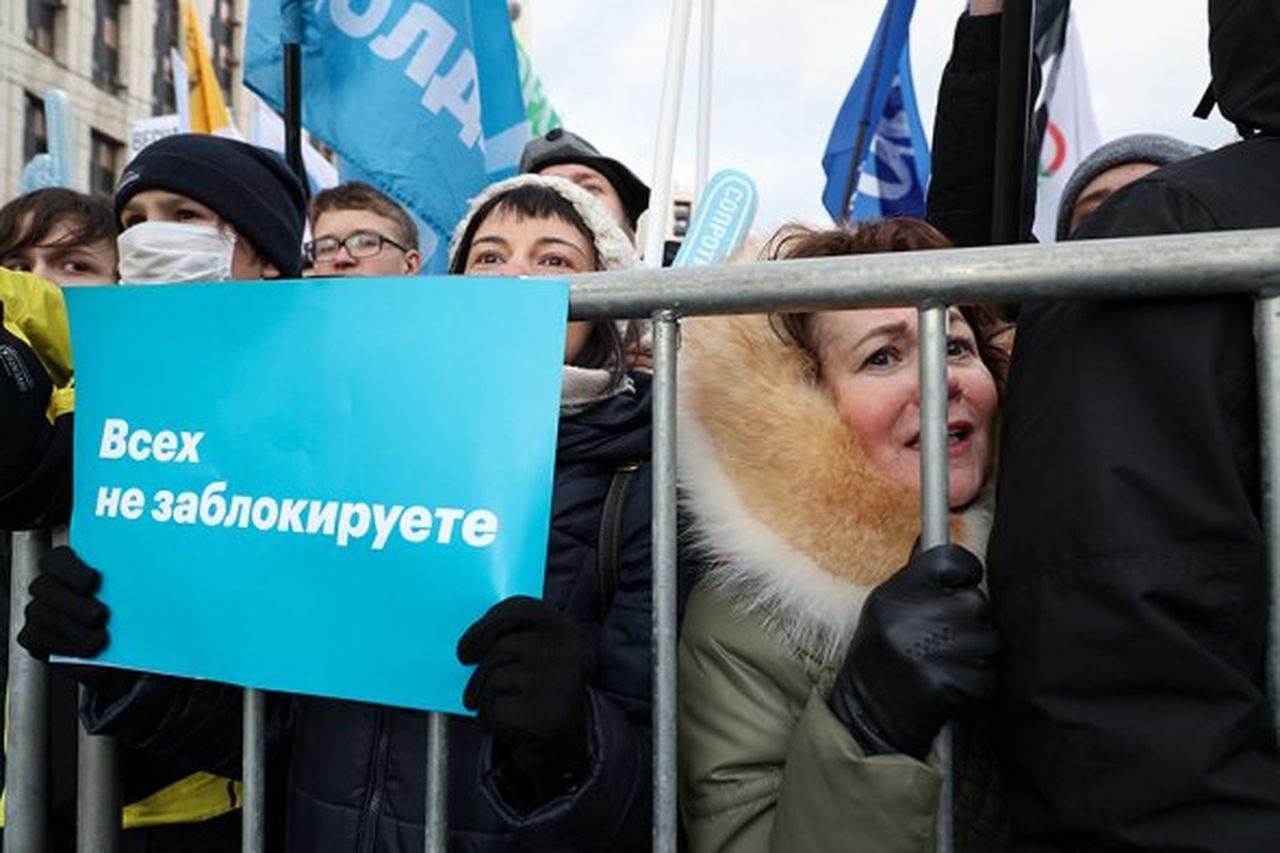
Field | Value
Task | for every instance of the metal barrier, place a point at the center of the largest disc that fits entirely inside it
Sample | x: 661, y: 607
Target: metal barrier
x: 26, y: 778
x: 934, y: 508
x: 1196, y: 264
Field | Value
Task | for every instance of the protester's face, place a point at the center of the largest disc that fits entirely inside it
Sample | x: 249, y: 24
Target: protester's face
x: 869, y: 361
x: 61, y: 260
x: 596, y: 184
x: 1104, y: 186
x: 507, y: 243
x: 389, y: 260
x: 164, y: 206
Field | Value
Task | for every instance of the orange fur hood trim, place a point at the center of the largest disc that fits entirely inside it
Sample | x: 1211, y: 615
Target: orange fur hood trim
x: 797, y: 525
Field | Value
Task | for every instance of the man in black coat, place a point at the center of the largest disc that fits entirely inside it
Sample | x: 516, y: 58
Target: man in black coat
x: 1128, y: 565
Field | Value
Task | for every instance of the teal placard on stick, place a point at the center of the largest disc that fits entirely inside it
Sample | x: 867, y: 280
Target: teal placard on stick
x: 315, y: 486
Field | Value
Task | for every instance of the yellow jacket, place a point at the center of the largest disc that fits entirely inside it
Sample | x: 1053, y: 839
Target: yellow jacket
x: 35, y: 312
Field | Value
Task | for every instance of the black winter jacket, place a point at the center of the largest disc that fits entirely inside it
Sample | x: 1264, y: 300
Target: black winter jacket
x: 961, y: 189
x: 1127, y: 565
x: 356, y: 772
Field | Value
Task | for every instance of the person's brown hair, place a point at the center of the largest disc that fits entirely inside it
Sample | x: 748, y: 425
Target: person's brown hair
x: 27, y: 220
x: 357, y: 195
x: 795, y: 241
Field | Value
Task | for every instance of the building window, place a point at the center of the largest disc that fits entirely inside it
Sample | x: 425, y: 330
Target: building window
x: 35, y: 138
x: 222, y: 33
x: 42, y: 24
x: 165, y: 39
x: 106, y: 46
x: 105, y: 154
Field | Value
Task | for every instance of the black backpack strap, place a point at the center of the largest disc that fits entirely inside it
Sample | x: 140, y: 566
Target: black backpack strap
x: 608, y: 544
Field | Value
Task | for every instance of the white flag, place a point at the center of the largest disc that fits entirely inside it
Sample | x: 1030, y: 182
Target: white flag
x: 1070, y: 135
x: 266, y: 129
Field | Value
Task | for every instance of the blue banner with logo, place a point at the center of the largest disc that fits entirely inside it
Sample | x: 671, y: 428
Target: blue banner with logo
x: 421, y: 99
x: 316, y: 486
x: 878, y: 128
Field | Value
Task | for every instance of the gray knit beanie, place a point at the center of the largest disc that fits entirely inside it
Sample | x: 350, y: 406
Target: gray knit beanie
x: 1154, y: 148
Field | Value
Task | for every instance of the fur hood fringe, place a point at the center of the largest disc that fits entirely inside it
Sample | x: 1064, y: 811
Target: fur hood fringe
x: 791, y: 520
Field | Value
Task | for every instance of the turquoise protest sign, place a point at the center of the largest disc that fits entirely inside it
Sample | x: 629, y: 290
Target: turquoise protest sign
x: 315, y: 486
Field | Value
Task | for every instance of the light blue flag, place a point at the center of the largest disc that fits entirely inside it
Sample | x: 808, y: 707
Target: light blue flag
x: 879, y: 128
x: 315, y: 486
x: 421, y: 99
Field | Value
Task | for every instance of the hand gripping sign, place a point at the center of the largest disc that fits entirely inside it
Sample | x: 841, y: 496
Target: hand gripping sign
x: 315, y: 486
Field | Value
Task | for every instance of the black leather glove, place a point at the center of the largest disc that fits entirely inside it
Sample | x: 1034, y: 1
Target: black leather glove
x: 922, y: 654
x: 65, y: 617
x: 533, y: 667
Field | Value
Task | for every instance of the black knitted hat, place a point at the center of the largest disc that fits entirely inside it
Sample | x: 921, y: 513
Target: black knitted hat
x: 560, y: 146
x: 248, y: 186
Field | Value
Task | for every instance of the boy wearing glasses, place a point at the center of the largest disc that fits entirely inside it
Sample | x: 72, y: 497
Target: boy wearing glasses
x: 358, y: 231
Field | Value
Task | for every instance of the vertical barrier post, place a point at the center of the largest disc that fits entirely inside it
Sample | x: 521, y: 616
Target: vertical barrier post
x: 666, y: 331
x: 1267, y: 336
x: 254, y: 826
x: 664, y: 159
x: 436, y: 823
x: 934, y: 504
x: 98, y: 799
x: 26, y: 777
x: 706, y: 63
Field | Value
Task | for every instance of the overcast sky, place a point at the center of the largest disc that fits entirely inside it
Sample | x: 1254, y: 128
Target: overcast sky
x: 783, y: 68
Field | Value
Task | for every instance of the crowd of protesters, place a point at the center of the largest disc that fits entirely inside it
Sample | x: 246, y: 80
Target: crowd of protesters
x: 1096, y: 635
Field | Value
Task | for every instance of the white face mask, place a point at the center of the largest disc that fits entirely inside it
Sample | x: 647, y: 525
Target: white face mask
x: 174, y: 252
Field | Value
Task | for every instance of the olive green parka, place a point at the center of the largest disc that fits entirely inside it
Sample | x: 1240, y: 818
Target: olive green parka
x: 792, y: 529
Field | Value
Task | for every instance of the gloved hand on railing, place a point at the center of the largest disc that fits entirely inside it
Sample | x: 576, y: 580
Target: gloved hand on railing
x: 533, y: 667
x: 65, y: 617
x: 922, y: 654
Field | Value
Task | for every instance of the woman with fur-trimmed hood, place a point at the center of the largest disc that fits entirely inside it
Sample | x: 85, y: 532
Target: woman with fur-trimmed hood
x: 815, y: 673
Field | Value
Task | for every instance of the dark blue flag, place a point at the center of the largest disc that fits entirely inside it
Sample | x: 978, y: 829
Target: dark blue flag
x: 879, y: 129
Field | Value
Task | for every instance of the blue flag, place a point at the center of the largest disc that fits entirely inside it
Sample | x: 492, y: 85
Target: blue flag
x: 421, y: 99
x: 878, y: 128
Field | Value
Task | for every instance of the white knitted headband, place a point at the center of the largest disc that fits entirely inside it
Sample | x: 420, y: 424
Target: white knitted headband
x: 613, y: 247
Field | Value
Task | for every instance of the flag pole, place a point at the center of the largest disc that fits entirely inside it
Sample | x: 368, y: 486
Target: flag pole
x: 291, y: 40
x: 855, y: 163
x: 668, y: 117
x: 706, y: 57
x: 1012, y: 119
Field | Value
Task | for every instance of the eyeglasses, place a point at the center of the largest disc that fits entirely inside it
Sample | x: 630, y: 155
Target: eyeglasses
x: 360, y: 244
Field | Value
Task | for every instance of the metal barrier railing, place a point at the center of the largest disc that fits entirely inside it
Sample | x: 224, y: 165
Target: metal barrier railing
x: 934, y: 509
x: 1196, y: 264
x: 26, y: 777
